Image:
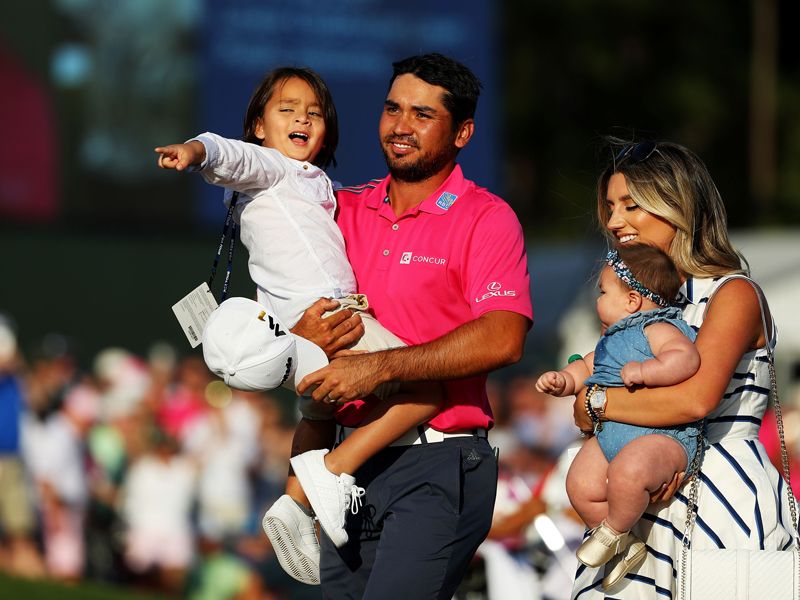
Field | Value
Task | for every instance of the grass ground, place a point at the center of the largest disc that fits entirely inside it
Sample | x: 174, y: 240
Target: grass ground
x: 12, y: 588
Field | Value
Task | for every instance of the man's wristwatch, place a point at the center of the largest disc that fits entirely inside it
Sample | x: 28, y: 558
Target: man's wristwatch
x: 596, y: 402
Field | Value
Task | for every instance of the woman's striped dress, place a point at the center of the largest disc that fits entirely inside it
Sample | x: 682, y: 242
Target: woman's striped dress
x: 742, y: 500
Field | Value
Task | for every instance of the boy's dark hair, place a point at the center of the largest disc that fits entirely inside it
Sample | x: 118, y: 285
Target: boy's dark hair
x: 653, y: 268
x: 461, y: 85
x: 269, y: 85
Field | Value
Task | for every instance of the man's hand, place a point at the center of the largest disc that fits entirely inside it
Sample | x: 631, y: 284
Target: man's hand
x: 631, y: 374
x: 552, y: 383
x: 333, y: 333
x: 181, y: 156
x: 344, y: 379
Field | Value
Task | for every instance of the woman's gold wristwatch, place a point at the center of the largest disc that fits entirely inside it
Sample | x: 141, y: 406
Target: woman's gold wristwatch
x: 596, y: 405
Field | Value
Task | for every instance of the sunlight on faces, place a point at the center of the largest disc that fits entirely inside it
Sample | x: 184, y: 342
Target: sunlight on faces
x: 416, y: 130
x: 631, y: 224
x: 292, y: 121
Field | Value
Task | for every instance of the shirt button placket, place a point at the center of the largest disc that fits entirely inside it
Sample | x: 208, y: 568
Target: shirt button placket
x: 387, y: 252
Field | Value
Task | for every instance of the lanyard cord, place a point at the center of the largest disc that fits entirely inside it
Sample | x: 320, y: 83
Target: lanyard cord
x: 229, y: 224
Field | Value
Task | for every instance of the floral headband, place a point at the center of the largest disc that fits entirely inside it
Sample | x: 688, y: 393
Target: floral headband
x: 624, y: 273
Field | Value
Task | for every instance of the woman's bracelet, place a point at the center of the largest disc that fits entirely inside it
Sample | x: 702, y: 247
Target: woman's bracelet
x: 596, y: 405
x: 592, y: 415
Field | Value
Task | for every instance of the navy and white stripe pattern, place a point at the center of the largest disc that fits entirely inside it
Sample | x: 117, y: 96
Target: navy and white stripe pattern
x: 742, y: 501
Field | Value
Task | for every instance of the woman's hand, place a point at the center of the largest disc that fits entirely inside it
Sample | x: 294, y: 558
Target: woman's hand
x: 332, y: 333
x: 666, y: 491
x: 582, y: 420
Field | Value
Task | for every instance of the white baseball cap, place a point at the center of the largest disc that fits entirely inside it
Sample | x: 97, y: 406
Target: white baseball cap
x: 246, y: 345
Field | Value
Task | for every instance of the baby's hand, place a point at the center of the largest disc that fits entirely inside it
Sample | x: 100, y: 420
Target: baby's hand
x: 180, y: 156
x: 552, y: 383
x: 632, y: 374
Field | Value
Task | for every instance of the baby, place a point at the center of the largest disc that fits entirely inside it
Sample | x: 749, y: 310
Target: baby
x: 644, y: 342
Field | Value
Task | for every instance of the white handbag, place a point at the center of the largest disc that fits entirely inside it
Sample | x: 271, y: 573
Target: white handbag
x: 740, y: 574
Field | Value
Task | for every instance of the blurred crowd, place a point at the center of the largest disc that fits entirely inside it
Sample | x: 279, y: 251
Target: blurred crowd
x: 143, y: 472
x: 148, y: 473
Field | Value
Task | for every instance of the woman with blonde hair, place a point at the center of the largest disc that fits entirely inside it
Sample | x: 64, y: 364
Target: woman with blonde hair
x: 661, y: 193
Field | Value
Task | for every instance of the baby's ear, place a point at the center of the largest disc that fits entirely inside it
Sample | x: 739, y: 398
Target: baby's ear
x: 634, y: 302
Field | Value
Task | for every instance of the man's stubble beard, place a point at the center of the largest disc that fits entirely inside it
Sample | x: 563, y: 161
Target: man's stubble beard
x: 421, y: 169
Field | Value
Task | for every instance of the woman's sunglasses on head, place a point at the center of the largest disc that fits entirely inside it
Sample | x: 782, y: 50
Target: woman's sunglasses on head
x: 636, y: 153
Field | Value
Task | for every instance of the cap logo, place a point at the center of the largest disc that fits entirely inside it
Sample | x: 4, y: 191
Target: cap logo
x: 261, y: 315
x: 288, y: 370
x: 276, y: 327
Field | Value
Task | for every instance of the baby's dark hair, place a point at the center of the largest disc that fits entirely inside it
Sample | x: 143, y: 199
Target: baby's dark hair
x: 653, y: 268
x: 270, y: 84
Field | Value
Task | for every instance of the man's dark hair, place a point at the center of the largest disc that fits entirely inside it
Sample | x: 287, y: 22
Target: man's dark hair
x: 461, y: 85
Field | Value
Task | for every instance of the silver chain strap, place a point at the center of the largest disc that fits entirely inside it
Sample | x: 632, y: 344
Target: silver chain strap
x: 784, y: 453
x: 691, y: 508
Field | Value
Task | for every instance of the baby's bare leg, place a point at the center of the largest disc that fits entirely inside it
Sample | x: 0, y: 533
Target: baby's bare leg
x: 640, y: 468
x: 388, y: 420
x: 586, y: 483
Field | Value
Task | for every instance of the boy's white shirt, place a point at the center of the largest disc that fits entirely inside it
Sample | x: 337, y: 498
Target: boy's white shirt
x: 285, y: 211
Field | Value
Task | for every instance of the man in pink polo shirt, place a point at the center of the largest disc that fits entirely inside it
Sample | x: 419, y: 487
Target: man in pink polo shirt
x: 443, y: 264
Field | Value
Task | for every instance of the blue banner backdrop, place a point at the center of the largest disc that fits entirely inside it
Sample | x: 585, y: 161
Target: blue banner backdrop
x: 352, y: 44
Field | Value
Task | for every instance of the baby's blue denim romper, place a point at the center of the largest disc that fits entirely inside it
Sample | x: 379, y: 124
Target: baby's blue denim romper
x: 623, y: 342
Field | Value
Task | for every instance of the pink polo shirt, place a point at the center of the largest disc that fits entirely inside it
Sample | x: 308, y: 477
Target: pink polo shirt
x: 457, y: 255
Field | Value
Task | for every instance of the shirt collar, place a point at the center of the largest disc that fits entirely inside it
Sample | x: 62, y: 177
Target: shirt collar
x: 375, y: 199
x: 437, y: 203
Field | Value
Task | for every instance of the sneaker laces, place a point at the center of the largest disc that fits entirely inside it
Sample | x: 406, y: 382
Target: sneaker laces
x: 356, y: 494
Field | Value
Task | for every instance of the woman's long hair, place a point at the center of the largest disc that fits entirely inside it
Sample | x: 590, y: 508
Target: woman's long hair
x: 672, y: 182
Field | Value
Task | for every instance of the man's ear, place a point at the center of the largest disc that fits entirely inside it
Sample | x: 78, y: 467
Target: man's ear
x: 464, y: 133
x: 634, y: 303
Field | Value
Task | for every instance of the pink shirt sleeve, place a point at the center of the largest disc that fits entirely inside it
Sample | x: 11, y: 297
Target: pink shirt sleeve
x: 495, y: 267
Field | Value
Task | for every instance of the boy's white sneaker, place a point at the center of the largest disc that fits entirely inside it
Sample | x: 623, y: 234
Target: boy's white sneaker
x: 330, y: 495
x: 294, y: 538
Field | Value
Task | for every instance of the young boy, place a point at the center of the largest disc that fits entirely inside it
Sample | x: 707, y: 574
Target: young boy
x: 297, y: 255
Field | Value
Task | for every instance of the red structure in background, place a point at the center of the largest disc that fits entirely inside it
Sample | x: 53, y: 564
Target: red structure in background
x: 28, y: 150
x: 769, y: 437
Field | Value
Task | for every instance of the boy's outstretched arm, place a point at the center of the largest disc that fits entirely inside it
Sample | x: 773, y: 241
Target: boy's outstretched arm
x: 181, y: 156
